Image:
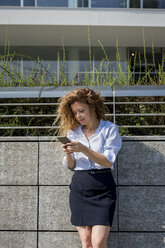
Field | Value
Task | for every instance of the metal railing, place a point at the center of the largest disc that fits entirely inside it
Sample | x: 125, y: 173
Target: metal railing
x: 116, y: 113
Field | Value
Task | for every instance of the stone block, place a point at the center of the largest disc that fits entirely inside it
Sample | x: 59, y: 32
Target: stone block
x: 59, y: 240
x: 114, y: 172
x: 52, y: 171
x: 54, y: 208
x: 55, y: 211
x: 141, y: 240
x: 18, y: 163
x: 113, y: 240
x: 141, y: 163
x: 115, y: 220
x: 18, y: 208
x: 141, y: 208
x: 18, y: 239
x: 69, y: 240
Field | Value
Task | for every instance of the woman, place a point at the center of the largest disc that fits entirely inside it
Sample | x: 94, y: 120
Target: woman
x: 91, y: 152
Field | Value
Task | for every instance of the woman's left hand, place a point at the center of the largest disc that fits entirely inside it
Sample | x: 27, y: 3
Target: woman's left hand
x: 75, y: 147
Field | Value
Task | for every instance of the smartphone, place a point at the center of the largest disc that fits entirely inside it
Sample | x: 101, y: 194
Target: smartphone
x: 63, y: 139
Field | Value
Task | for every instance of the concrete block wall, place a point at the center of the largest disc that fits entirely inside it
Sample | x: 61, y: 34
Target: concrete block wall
x: 34, y: 189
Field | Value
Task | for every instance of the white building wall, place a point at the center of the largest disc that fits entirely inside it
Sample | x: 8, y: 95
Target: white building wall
x: 46, y: 26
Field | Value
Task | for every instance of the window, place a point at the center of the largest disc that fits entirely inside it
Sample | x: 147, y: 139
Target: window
x: 29, y: 2
x: 109, y: 3
x: 138, y: 61
x: 82, y: 3
x: 52, y: 3
x: 160, y: 4
x: 9, y: 2
x: 134, y: 3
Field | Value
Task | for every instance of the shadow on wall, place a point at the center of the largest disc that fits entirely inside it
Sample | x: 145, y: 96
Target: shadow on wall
x: 141, y: 185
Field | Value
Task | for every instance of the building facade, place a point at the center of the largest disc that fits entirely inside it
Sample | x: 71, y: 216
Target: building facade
x: 82, y: 33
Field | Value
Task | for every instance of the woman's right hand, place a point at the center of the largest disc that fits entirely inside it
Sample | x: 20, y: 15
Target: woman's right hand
x: 64, y: 146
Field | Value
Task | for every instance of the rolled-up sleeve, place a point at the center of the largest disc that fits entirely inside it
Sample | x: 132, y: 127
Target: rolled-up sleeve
x: 64, y: 160
x: 112, y: 144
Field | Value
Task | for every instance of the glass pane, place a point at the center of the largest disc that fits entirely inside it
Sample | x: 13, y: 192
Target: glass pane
x: 161, y: 4
x: 29, y: 2
x: 77, y: 63
x: 53, y: 3
x: 151, y: 55
x: 14, y: 66
x: 77, y: 53
x: 101, y: 64
x: 157, y: 4
x: 139, y: 66
x: 72, y: 3
x: 84, y: 66
x: 28, y: 66
x: 109, y: 3
x: 51, y: 66
x: 9, y: 2
x: 110, y: 52
x: 82, y: 3
x: 48, y: 69
x: 11, y: 72
x: 134, y: 3
x: 33, y: 52
x: 78, y: 66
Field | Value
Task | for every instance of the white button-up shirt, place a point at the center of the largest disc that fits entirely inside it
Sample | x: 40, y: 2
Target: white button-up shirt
x: 106, y: 140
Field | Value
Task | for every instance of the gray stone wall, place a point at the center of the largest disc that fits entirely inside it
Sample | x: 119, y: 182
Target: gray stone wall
x: 34, y: 210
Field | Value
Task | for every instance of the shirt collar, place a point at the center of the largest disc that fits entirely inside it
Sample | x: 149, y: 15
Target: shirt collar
x: 97, y: 130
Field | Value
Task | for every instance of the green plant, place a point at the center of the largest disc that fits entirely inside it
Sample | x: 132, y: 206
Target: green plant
x: 109, y: 78
x: 104, y: 75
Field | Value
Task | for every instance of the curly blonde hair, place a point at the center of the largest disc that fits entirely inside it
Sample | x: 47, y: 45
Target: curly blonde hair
x: 65, y: 116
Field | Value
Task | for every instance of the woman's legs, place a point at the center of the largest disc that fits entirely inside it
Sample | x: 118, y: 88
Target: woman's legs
x: 85, y: 233
x: 93, y: 236
x: 100, y: 236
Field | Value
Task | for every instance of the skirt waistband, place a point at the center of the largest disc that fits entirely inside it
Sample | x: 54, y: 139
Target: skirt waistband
x: 93, y: 171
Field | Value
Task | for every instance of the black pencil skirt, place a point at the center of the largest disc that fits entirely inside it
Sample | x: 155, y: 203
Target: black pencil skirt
x: 92, y: 198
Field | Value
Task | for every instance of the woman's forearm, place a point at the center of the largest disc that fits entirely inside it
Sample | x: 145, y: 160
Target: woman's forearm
x: 97, y: 157
x: 94, y: 156
x: 70, y: 160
